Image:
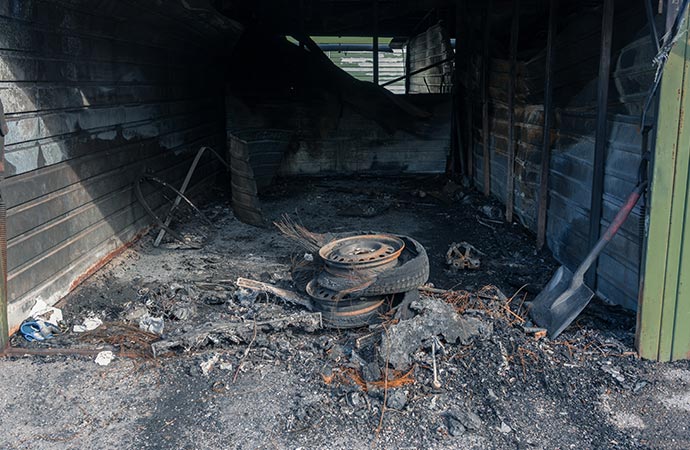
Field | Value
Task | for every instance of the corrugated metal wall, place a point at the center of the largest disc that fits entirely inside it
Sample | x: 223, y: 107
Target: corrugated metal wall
x: 95, y: 92
x: 570, y: 179
x: 361, y: 66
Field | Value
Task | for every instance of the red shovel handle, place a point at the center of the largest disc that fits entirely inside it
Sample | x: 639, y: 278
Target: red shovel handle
x: 611, y: 231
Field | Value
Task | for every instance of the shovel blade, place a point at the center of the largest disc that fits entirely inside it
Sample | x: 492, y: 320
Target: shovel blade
x: 560, y: 302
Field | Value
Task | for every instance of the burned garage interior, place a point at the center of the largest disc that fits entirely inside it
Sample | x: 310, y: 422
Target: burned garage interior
x: 344, y: 224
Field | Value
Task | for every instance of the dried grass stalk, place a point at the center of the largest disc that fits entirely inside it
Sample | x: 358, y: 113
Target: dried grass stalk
x: 299, y: 234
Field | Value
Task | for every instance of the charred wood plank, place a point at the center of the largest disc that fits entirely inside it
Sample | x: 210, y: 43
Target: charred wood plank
x: 510, y: 170
x: 548, y: 122
x: 601, y: 135
x: 485, y: 99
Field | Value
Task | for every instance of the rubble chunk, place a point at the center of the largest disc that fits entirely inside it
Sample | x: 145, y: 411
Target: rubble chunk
x: 134, y: 312
x: 455, y: 427
x: 183, y: 312
x: 397, y: 399
x: 492, y: 212
x: 213, y: 333
x: 104, y: 358
x: 505, y: 428
x: 461, y: 420
x: 436, y: 318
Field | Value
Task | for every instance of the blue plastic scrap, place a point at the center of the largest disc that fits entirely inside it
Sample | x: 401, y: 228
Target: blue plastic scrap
x: 36, y: 330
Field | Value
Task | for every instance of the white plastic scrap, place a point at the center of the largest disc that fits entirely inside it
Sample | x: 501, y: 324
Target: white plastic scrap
x: 90, y: 323
x: 48, y: 314
x: 152, y: 324
x: 104, y: 358
x: 208, y: 365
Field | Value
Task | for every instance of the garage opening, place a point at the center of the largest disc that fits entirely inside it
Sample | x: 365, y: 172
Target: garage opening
x: 375, y: 196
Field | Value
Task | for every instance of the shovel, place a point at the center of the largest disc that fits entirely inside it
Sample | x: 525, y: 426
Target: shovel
x: 566, y: 295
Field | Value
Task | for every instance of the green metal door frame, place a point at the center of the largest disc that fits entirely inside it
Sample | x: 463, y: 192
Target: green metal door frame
x: 663, y: 322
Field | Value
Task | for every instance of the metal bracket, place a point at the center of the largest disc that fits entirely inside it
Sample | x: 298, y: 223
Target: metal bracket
x: 185, y: 184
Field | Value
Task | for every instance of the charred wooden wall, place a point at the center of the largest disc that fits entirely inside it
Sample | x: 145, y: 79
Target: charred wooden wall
x: 332, y: 138
x: 96, y: 93
x: 572, y: 152
x: 424, y: 50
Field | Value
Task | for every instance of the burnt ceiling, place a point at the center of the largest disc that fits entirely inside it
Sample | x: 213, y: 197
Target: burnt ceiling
x: 341, y: 18
x: 397, y: 18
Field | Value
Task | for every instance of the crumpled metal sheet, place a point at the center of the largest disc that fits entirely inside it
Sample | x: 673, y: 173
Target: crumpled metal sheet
x: 255, y: 156
x: 245, y: 195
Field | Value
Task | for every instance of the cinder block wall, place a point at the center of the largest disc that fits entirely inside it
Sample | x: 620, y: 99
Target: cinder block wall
x: 95, y: 93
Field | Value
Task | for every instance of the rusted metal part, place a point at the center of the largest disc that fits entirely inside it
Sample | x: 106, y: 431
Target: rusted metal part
x: 353, y: 298
x: 362, y: 252
x: 345, y: 293
x: 361, y: 311
x: 460, y: 256
x: 354, y: 313
x: 411, y: 271
x: 356, y: 308
x: 180, y: 196
x: 185, y: 184
x: 152, y: 213
x: 322, y: 294
x: 432, y: 290
x: 337, y: 309
x: 19, y: 351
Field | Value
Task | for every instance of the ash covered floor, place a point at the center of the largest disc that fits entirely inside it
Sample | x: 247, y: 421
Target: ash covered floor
x: 290, y: 385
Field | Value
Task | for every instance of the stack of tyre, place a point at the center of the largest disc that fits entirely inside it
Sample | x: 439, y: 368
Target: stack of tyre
x: 366, y: 278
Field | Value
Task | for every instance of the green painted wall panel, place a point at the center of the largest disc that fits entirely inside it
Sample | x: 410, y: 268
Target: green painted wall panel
x: 680, y: 348
x: 665, y: 307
